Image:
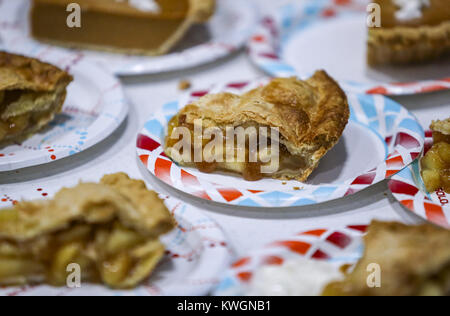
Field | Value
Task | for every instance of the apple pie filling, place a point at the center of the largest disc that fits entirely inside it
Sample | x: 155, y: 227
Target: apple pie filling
x: 108, y: 232
x: 23, y: 111
x: 108, y: 253
x: 436, y: 163
x: 268, y: 160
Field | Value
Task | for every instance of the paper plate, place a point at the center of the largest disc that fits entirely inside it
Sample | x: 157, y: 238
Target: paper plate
x: 337, y: 246
x: 331, y: 35
x: 202, y: 45
x: 94, y: 108
x: 196, y: 256
x: 381, y: 139
x: 408, y: 188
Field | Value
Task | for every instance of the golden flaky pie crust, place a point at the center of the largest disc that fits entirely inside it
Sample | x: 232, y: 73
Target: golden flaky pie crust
x: 414, y: 260
x: 442, y: 127
x: 110, y: 228
x: 119, y: 197
x: 311, y: 115
x: 418, y: 40
x: 41, y: 88
x: 199, y: 11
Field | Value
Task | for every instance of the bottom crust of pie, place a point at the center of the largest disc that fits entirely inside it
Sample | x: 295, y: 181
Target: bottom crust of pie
x: 407, y: 45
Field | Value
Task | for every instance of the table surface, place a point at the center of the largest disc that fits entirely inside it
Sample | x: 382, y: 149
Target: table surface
x: 245, y: 229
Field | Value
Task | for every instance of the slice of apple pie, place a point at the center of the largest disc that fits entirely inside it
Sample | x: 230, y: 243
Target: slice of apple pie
x: 413, y: 261
x: 31, y: 93
x: 280, y: 130
x: 436, y: 163
x: 110, y: 229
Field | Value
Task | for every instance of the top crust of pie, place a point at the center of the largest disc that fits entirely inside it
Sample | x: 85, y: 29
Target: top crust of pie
x: 311, y: 115
x: 24, y: 73
x: 441, y: 126
x: 117, y: 196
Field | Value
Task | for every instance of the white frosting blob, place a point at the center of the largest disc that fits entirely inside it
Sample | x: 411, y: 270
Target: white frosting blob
x: 410, y: 9
x: 143, y: 5
x: 300, y: 277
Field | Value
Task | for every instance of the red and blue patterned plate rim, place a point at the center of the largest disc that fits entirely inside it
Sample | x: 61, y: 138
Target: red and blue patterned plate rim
x: 408, y: 188
x: 403, y: 135
x: 339, y: 246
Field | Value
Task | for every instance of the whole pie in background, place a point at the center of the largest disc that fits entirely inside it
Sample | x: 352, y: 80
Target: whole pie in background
x: 144, y: 27
x: 31, y: 93
x: 412, y: 31
x: 310, y: 117
x: 110, y: 229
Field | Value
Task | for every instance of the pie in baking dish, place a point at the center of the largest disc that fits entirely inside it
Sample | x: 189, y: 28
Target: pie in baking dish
x: 436, y: 162
x: 145, y: 27
x: 412, y: 31
x: 31, y: 93
x: 110, y: 229
x: 309, y: 117
x: 414, y: 261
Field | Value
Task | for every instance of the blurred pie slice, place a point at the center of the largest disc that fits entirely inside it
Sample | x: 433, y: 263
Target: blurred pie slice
x: 412, y: 31
x: 31, y: 93
x: 413, y: 261
x: 109, y: 229
x: 436, y: 163
x: 308, y: 116
x: 146, y: 27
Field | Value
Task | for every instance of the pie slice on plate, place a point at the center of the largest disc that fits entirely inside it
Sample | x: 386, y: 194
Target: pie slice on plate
x: 414, y: 261
x: 300, y: 120
x: 412, y: 31
x: 31, y: 93
x: 145, y: 27
x: 110, y: 229
x: 436, y: 162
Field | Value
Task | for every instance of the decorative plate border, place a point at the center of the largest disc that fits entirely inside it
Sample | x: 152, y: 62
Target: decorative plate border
x: 339, y: 246
x: 408, y: 188
x: 241, y: 14
x: 198, y: 245
x: 264, y: 46
x: 107, y: 115
x: 403, y: 135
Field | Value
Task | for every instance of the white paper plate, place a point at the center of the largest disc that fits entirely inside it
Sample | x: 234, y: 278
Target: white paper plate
x: 227, y: 31
x: 94, y: 108
x: 382, y: 138
x: 324, y: 34
x: 197, y: 254
x: 338, y: 246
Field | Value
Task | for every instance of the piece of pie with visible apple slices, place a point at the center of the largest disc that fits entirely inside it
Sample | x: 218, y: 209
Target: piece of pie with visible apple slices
x: 31, y: 94
x: 412, y: 261
x: 110, y: 229
x: 309, y: 117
